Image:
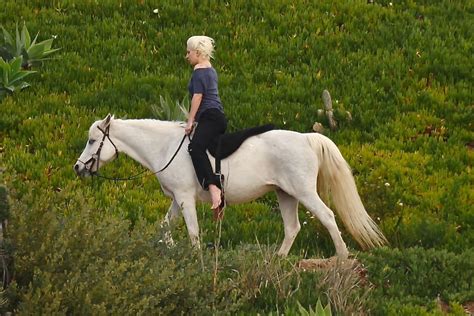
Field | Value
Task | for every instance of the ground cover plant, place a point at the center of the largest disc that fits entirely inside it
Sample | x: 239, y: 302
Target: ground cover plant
x: 403, y: 70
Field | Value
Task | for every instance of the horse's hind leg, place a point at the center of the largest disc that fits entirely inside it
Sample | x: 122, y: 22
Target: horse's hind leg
x: 316, y: 206
x: 289, y: 213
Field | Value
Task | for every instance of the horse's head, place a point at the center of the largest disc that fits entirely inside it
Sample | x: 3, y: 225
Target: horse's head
x: 99, y: 149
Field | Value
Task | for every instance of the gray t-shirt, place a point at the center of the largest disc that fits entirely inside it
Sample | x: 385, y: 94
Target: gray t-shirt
x: 204, y: 80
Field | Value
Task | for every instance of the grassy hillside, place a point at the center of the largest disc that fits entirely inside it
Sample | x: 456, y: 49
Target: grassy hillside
x: 403, y: 70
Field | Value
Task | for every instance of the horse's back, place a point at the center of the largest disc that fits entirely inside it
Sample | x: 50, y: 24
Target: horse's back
x: 277, y: 143
x: 267, y: 161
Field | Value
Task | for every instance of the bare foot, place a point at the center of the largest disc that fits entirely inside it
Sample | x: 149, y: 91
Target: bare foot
x: 215, y: 196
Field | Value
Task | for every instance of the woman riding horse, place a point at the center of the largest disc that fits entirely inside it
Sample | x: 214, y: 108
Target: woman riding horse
x: 207, y: 111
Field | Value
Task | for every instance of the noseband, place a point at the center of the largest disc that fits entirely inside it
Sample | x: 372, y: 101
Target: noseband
x: 95, y: 159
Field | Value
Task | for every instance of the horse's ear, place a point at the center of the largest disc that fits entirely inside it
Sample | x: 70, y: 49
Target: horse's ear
x: 106, y: 122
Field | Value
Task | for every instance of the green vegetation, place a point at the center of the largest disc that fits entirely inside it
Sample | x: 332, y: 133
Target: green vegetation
x: 11, y: 76
x: 23, y: 46
x: 404, y: 73
x: 19, y: 55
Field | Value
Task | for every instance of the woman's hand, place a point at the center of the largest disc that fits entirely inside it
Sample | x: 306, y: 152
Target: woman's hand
x: 189, y: 127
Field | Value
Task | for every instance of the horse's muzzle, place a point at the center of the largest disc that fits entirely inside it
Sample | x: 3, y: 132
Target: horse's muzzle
x: 81, y: 170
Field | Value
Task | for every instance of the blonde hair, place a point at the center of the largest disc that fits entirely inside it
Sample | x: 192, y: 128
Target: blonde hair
x: 202, y: 44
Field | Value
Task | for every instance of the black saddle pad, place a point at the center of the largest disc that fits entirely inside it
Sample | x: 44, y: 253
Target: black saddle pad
x: 226, y: 144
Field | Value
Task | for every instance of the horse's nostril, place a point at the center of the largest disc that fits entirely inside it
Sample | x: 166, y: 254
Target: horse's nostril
x: 76, y: 167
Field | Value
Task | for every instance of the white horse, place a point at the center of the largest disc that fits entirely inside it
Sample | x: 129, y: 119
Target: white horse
x: 293, y: 164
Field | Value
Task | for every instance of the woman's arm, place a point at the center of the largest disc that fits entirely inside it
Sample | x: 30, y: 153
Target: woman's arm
x: 195, y: 103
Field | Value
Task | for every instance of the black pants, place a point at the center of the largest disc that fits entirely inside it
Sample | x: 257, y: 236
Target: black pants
x: 212, y: 123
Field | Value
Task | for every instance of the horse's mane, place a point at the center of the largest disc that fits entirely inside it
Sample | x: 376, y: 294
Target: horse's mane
x: 154, y: 124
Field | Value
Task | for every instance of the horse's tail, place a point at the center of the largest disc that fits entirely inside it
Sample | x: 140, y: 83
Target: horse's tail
x: 335, y: 180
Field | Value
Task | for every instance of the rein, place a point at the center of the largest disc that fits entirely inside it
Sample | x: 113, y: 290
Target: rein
x: 106, y: 134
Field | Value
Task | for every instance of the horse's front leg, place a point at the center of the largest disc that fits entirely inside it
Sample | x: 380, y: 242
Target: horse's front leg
x: 188, y: 208
x: 170, y: 217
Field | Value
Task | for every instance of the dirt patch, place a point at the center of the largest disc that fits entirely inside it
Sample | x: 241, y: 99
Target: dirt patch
x: 318, y: 264
x: 444, y: 307
x: 469, y: 307
x: 332, y: 263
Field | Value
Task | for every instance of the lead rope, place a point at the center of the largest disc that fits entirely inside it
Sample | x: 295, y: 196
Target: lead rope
x: 217, y: 242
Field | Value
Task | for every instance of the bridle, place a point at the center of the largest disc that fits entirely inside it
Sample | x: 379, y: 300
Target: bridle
x: 95, y: 158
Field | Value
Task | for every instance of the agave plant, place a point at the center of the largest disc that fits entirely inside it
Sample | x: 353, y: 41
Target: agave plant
x: 23, y: 46
x: 319, y: 311
x: 171, y: 110
x: 11, y: 76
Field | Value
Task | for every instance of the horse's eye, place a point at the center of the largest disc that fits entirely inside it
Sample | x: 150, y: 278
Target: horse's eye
x: 91, y: 141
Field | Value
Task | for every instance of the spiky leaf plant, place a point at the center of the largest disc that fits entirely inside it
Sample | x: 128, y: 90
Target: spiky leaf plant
x: 170, y: 110
x: 22, y: 46
x: 11, y: 76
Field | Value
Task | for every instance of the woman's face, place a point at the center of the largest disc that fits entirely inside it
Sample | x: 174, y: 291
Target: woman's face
x: 192, y: 56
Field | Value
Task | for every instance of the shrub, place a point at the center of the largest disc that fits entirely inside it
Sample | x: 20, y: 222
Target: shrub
x: 86, y: 266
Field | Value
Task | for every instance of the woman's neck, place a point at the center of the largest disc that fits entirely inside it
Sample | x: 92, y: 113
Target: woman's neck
x: 203, y: 64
